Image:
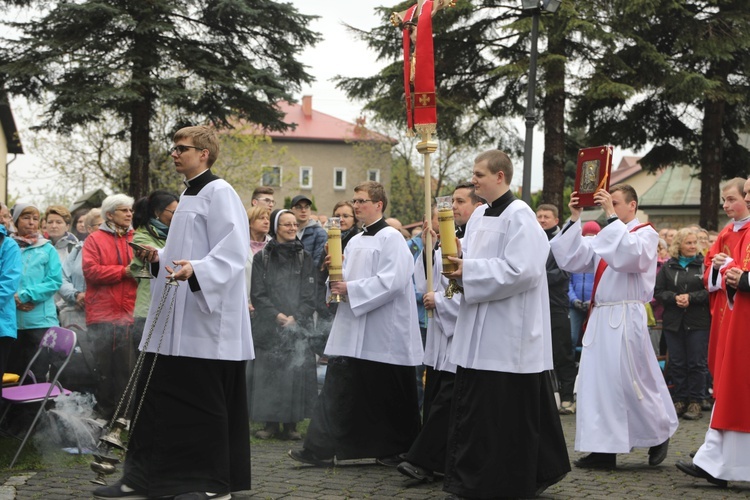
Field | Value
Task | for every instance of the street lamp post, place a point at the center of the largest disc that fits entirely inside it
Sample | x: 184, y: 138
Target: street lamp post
x: 535, y: 7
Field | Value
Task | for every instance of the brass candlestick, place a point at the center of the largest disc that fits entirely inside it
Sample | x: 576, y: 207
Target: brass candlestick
x: 335, y: 265
x: 448, y: 245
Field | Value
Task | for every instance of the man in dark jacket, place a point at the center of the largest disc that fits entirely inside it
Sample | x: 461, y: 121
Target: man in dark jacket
x: 558, y: 281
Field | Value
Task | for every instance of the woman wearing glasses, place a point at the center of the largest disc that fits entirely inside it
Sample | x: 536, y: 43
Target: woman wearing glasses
x: 283, y: 295
x: 151, y: 219
x: 110, y: 300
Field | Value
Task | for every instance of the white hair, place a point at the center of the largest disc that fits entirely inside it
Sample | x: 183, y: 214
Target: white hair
x: 111, y: 203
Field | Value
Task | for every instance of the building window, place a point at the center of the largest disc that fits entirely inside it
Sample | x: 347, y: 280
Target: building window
x: 305, y: 177
x: 373, y: 175
x: 271, y: 176
x: 339, y: 178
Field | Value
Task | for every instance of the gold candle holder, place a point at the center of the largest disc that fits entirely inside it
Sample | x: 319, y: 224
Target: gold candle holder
x: 448, y: 245
x: 335, y: 265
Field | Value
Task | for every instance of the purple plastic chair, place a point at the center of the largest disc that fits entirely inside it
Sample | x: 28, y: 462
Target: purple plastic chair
x: 60, y: 341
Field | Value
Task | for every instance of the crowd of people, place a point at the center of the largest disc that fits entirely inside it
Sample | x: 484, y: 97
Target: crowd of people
x: 542, y: 309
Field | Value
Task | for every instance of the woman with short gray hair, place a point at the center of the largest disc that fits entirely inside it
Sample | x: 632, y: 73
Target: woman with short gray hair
x: 110, y: 300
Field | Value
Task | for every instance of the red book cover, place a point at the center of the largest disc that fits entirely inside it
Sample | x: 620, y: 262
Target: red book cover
x: 592, y: 173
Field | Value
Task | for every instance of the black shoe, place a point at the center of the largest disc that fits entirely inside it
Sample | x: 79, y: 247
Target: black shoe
x: 707, y: 405
x: 203, y: 495
x: 390, y: 461
x: 118, y: 490
x: 692, y: 454
x: 415, y: 472
x: 693, y: 470
x: 310, y: 458
x: 546, y: 484
x: 657, y: 454
x: 597, y: 461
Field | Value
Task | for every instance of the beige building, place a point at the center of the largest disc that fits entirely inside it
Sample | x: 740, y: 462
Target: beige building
x: 323, y: 158
x: 10, y: 144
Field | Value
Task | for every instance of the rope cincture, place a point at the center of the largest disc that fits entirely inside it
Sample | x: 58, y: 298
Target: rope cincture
x: 623, y: 316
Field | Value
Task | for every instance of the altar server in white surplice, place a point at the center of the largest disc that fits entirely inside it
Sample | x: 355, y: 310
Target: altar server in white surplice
x: 505, y: 437
x: 368, y: 406
x: 191, y: 436
x: 427, y: 454
x: 623, y: 401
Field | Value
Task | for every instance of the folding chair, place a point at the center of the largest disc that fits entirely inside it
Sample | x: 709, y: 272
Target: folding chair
x: 61, y: 342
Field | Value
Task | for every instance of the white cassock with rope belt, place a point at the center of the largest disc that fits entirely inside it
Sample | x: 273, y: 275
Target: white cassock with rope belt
x: 623, y: 401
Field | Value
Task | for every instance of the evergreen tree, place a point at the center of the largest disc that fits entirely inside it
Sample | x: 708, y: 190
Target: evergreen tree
x: 676, y: 78
x: 481, y: 67
x: 211, y: 60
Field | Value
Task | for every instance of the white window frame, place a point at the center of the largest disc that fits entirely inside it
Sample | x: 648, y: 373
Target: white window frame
x: 309, y: 170
x: 376, y: 171
x: 263, y: 172
x: 341, y: 187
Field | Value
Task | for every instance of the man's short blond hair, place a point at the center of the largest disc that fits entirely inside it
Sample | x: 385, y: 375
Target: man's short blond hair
x: 203, y: 137
x: 737, y: 183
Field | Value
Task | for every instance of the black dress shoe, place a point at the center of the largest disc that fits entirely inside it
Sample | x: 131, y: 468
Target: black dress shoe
x: 597, y: 461
x: 693, y: 470
x: 307, y: 457
x: 657, y: 454
x: 118, y: 490
x: 415, y: 472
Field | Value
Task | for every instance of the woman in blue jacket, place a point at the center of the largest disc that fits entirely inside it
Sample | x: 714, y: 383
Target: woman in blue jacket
x: 40, y: 279
x: 10, y: 277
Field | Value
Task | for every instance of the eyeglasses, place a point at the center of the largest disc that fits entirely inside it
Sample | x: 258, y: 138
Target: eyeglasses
x: 289, y: 224
x: 181, y: 148
x: 170, y: 211
x: 359, y: 202
x: 267, y: 201
x: 125, y: 210
x: 344, y: 216
x: 302, y: 207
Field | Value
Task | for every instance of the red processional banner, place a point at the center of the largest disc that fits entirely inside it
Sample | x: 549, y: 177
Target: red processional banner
x: 419, y: 69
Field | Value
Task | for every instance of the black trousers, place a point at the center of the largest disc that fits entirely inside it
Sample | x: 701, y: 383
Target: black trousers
x: 562, y: 354
x: 429, y: 449
x: 192, y: 433
x: 366, y: 409
x: 505, y: 435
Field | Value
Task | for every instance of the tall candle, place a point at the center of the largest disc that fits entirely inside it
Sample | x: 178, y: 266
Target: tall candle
x: 447, y: 232
x: 334, y: 250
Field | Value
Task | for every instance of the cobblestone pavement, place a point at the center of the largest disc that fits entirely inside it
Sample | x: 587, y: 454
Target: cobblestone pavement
x: 276, y: 476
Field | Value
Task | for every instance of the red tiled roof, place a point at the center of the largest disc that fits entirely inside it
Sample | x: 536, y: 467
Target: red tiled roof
x: 628, y: 167
x: 320, y: 127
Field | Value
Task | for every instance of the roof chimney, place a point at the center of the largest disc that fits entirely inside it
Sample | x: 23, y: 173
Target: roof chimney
x: 307, y: 106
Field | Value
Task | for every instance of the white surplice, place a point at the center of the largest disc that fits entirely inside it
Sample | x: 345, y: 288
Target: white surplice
x: 379, y: 320
x: 623, y: 401
x: 210, y: 229
x: 503, y: 321
x: 441, y: 326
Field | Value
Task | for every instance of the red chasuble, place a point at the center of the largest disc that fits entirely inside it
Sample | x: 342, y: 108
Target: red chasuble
x: 732, y: 385
x: 720, y: 313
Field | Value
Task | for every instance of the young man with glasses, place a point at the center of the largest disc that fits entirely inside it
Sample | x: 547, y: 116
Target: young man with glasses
x: 310, y: 232
x: 263, y: 197
x: 193, y: 440
x: 368, y: 405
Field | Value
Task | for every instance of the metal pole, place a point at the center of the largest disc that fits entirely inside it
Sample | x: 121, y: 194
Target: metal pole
x: 530, y: 112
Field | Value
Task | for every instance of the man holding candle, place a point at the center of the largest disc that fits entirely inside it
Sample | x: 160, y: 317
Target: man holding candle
x: 427, y: 454
x: 505, y: 437
x: 368, y: 405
